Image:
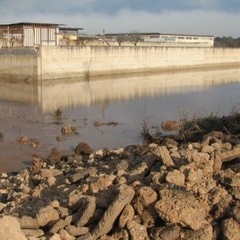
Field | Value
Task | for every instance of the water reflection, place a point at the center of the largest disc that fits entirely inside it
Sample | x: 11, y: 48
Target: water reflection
x: 27, y: 109
x: 72, y: 93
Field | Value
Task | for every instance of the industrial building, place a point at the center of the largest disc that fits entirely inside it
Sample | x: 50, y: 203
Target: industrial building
x: 163, y: 39
x: 28, y: 34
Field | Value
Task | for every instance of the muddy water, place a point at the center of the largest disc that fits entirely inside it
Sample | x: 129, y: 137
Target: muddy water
x: 28, y: 109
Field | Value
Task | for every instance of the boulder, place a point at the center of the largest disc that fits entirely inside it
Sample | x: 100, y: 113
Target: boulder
x: 83, y: 149
x: 47, y: 215
x: 123, y: 198
x: 137, y: 231
x: 230, y: 229
x: 170, y: 126
x: 181, y: 207
x: 10, y: 229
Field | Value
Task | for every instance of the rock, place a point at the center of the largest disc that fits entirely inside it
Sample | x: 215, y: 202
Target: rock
x: 123, y: 165
x: 64, y: 212
x: 68, y: 130
x: 235, y: 167
x: 10, y: 229
x: 221, y: 208
x: 102, y: 183
x: 180, y: 207
x: 23, y: 139
x: 60, y: 224
x: 138, y: 173
x: 216, y: 194
x: 33, y: 232
x: 143, y: 203
x: 170, y: 232
x: 205, y: 233
x: 170, y: 143
x: 38, y: 190
x: 126, y: 215
x: 236, y: 212
x: 54, y: 156
x: 233, y: 181
x: 170, y: 126
x: 2, y: 206
x: 230, y: 155
x: 235, y: 191
x: 75, y: 200
x: 56, y: 236
x: 51, y: 181
x: 47, y: 215
x: 75, y: 177
x: 97, y: 123
x: 47, y: 173
x: 77, y: 231
x: 86, y: 211
x: 208, y: 149
x: 121, y: 234
x: 65, y: 235
x: 137, y: 231
x: 124, y: 197
x: 83, y: 149
x: 175, y: 177
x: 230, y: 229
x: 86, y: 237
x: 28, y: 222
x: 214, y: 134
x: 37, y: 164
x: 162, y: 152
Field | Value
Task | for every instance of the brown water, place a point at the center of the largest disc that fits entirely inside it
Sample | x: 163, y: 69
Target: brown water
x: 28, y: 109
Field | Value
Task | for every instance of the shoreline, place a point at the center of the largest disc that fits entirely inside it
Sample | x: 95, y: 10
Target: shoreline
x: 180, y: 187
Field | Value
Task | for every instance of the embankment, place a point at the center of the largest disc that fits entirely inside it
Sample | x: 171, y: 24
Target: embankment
x: 48, y: 62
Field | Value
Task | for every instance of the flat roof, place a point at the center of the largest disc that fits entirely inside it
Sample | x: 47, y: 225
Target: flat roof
x: 31, y: 24
x: 70, y: 28
x: 157, y: 33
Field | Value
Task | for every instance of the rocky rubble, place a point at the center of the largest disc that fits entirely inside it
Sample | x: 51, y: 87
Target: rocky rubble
x: 163, y: 191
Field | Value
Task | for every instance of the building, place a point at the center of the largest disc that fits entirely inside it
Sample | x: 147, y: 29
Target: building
x: 163, y: 39
x: 27, y: 34
x: 67, y: 35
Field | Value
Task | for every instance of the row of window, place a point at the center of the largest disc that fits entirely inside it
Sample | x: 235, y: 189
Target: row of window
x: 171, y: 38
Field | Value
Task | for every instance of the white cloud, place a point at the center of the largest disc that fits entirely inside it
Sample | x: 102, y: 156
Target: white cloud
x: 211, y: 22
x: 193, y: 22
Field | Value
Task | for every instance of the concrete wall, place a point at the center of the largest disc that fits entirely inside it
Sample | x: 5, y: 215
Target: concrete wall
x: 19, y: 64
x: 52, y: 62
x: 60, y: 62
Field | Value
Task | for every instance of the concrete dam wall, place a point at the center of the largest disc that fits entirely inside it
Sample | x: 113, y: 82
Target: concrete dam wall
x: 53, y: 62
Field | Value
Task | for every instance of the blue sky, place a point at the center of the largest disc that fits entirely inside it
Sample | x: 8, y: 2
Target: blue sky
x: 214, y: 17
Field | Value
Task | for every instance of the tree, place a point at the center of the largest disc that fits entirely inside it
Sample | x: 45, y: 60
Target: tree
x: 227, y: 42
x: 134, y: 39
x: 121, y: 38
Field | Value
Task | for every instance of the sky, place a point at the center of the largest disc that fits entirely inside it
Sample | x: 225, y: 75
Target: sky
x: 207, y: 17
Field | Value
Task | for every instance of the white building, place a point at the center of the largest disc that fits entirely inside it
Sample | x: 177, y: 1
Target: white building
x: 163, y: 39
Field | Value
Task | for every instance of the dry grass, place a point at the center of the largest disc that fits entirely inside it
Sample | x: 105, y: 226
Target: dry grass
x: 193, y: 128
